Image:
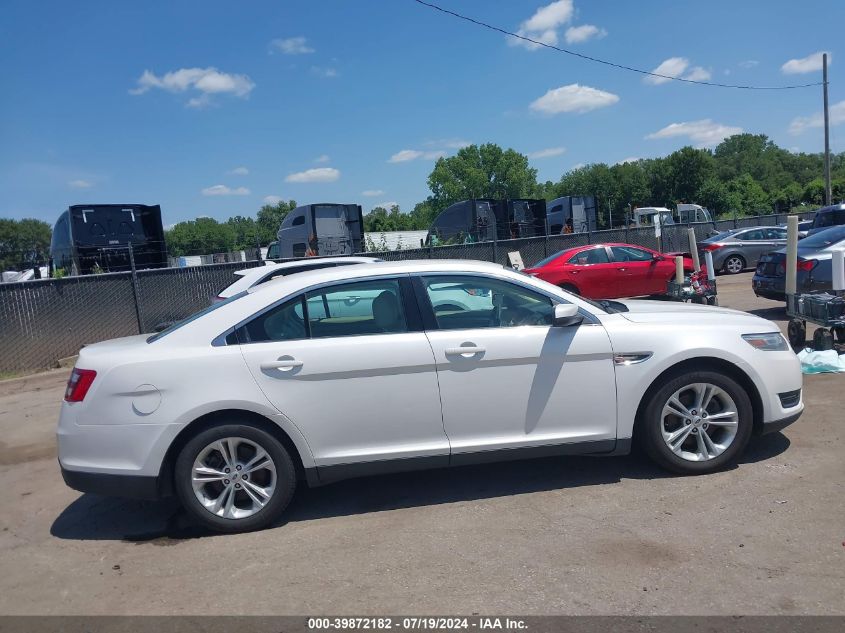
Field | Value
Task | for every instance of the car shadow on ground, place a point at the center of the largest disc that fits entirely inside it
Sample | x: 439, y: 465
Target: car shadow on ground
x: 91, y: 517
x: 775, y: 313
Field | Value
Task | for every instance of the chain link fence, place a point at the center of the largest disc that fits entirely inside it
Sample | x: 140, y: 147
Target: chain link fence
x: 42, y: 321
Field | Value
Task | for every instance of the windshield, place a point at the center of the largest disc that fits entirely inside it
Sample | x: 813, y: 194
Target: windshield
x: 829, y: 218
x: 720, y: 236
x: 196, y: 315
x: 548, y: 259
x: 824, y: 239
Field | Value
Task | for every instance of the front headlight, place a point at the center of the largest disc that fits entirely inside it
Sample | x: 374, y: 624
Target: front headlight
x: 768, y: 342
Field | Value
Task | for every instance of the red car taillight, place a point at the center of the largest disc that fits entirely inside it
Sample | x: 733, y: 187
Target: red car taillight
x: 807, y: 264
x: 712, y: 247
x: 78, y: 384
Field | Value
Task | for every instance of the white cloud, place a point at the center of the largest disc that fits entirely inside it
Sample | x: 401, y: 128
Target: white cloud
x: 386, y: 205
x: 698, y: 74
x: 630, y: 159
x: 223, y: 190
x: 322, y: 158
x: 573, y: 98
x: 326, y: 73
x: 578, y: 166
x: 239, y: 171
x: 802, y: 123
x: 207, y: 81
x: 583, y: 33
x: 543, y: 25
x: 371, y: 193
x: 748, y: 63
x: 704, y: 133
x: 808, y: 64
x: 272, y: 199
x: 291, y: 46
x: 405, y: 155
x: 80, y: 184
x: 672, y: 67
x: 318, y: 174
x: 547, y: 153
x: 677, y: 67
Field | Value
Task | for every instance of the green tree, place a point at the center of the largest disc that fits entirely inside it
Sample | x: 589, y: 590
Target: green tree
x: 481, y: 171
x: 203, y: 236
x: 24, y: 243
x: 269, y: 219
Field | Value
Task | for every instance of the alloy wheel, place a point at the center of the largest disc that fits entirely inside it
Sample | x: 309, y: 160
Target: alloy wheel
x: 699, y: 422
x: 734, y: 265
x: 233, y: 478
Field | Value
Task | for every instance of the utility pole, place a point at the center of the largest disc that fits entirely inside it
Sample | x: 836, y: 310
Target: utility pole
x: 828, y: 193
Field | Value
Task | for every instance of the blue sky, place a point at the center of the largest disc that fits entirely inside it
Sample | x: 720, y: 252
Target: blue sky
x: 211, y: 107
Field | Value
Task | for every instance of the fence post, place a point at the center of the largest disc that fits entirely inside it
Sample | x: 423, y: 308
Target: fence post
x: 627, y: 239
x: 136, y: 290
x: 734, y: 218
x: 546, y: 245
x: 495, y: 247
x: 589, y: 232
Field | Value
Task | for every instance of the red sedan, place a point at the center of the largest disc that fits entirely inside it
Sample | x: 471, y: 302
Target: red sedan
x: 609, y: 271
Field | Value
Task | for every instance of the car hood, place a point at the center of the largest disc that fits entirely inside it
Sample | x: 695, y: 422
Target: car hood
x: 650, y: 311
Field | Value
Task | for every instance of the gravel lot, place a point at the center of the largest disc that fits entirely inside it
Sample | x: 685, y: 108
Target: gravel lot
x: 557, y: 536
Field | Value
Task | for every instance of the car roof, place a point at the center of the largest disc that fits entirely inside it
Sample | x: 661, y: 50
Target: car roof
x: 323, y: 275
x: 261, y: 270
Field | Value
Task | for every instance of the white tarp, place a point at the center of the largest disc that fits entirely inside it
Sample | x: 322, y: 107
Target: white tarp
x: 813, y: 362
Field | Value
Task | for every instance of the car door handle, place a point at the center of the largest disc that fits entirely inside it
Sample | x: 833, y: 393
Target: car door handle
x: 284, y: 365
x: 466, y: 351
x: 621, y: 270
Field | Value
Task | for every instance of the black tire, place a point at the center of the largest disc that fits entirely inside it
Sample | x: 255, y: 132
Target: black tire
x: 650, y: 423
x: 840, y: 334
x: 735, y: 258
x: 570, y: 289
x: 796, y: 332
x: 279, y: 500
x: 822, y: 339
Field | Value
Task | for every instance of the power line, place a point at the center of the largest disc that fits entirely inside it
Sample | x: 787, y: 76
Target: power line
x: 604, y: 61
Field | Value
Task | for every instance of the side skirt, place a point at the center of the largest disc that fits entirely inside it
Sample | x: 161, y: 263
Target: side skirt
x: 322, y: 475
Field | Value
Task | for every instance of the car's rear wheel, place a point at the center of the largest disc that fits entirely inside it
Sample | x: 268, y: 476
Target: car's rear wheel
x: 234, y: 478
x: 734, y: 265
x: 698, y: 422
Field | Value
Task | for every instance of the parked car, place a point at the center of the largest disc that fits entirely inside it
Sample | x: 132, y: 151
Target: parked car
x: 815, y: 270
x: 608, y: 271
x: 833, y: 215
x: 804, y: 227
x: 251, y: 277
x: 234, y: 406
x: 735, y: 250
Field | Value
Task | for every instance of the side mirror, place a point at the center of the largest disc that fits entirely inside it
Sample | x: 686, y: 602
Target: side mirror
x: 566, y: 315
x: 658, y: 258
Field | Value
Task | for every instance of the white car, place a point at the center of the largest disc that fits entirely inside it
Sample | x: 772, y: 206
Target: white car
x: 350, y: 371
x: 250, y: 277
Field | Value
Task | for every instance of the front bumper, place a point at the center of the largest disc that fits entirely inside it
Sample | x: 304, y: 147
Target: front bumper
x: 777, y: 425
x: 109, y: 485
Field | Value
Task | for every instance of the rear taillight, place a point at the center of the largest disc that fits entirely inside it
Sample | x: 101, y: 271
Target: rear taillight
x: 78, y: 384
x: 712, y: 247
x: 807, y: 264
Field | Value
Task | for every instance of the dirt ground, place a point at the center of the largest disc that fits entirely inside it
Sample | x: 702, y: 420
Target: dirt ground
x: 556, y: 536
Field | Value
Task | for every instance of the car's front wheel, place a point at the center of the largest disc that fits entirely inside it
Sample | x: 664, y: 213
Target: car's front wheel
x: 234, y: 478
x: 697, y: 422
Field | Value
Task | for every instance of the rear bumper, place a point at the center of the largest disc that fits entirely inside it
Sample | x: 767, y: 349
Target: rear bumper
x: 109, y: 485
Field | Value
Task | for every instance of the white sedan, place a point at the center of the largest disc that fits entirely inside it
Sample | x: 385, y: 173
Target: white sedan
x: 358, y: 370
x: 250, y: 277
